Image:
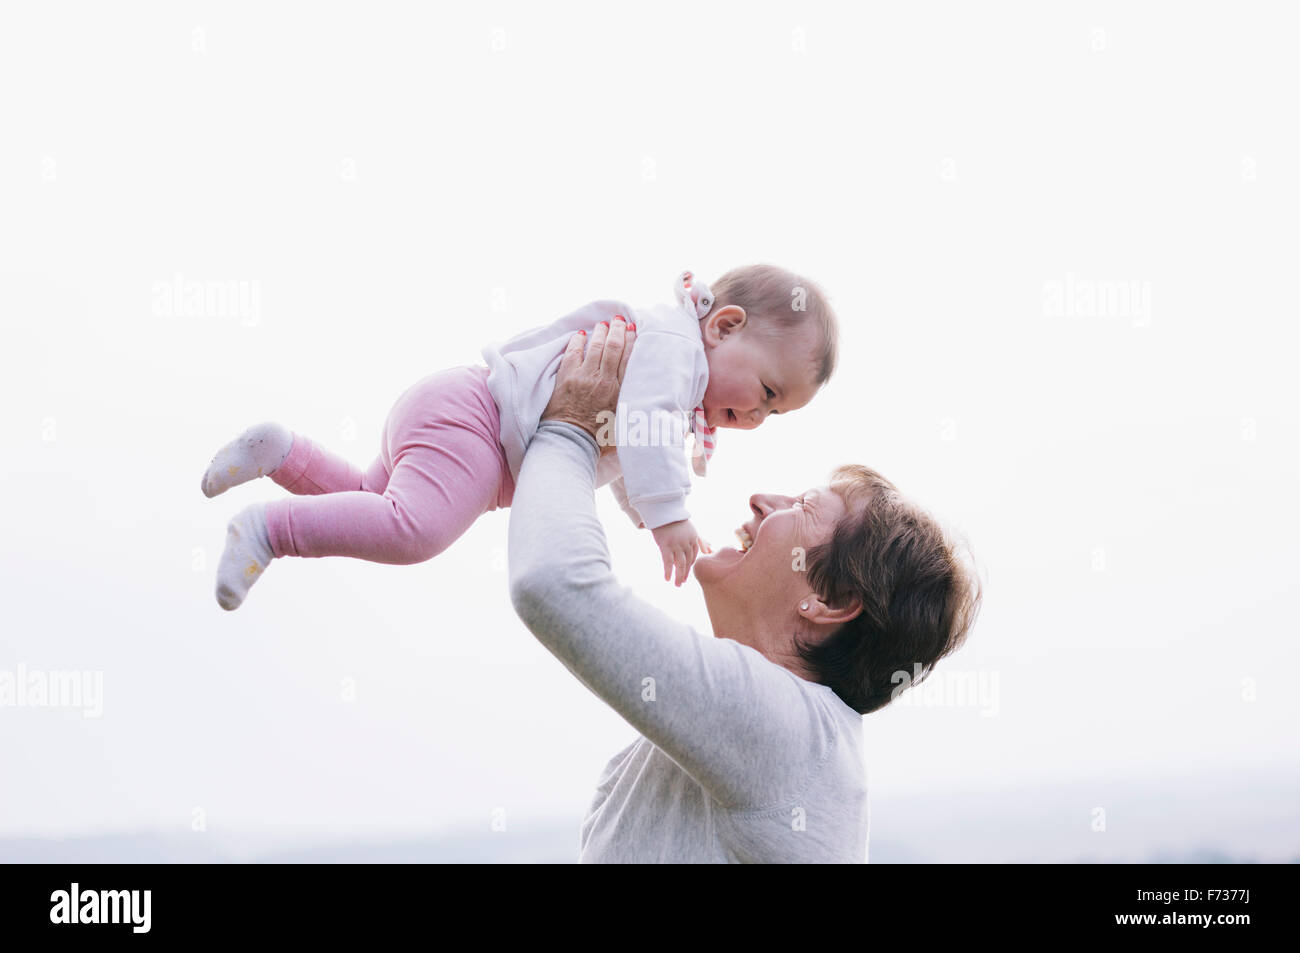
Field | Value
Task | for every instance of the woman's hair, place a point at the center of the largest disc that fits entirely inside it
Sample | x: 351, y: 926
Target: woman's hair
x: 919, y: 596
x: 780, y: 301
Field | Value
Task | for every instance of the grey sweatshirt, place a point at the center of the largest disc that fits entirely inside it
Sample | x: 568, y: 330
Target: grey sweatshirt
x: 738, y: 759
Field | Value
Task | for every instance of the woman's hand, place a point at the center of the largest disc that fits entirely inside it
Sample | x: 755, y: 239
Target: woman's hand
x: 587, y: 385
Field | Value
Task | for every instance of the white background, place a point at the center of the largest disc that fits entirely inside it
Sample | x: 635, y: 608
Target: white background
x: 400, y: 184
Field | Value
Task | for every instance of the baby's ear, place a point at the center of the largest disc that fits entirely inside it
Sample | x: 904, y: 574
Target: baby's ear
x: 724, y: 322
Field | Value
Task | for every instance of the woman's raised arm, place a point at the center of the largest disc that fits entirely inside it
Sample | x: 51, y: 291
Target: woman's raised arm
x: 737, y: 723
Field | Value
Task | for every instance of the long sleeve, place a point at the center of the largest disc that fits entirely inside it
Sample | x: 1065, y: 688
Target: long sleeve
x: 665, y: 372
x: 619, y: 489
x: 747, y: 730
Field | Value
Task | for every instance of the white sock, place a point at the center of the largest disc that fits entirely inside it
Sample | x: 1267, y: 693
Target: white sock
x: 255, y: 452
x: 247, y: 554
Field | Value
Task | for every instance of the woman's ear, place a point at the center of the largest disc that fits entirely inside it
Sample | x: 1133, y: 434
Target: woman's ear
x: 723, y: 322
x: 817, y: 612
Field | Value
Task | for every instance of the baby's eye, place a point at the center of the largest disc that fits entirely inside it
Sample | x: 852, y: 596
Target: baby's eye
x: 770, y: 393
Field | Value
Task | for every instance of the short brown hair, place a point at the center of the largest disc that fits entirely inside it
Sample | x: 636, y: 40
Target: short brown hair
x: 783, y: 301
x: 919, y: 600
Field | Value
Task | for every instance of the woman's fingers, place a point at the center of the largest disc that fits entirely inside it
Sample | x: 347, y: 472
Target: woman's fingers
x: 614, y: 348
x: 629, y: 338
x: 596, y: 348
x: 573, y: 351
x: 585, y: 393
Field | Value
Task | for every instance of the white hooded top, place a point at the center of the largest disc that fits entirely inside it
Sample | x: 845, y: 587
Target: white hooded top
x: 665, y: 382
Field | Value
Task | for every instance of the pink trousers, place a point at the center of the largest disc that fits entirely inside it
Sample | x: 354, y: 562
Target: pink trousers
x: 440, y: 467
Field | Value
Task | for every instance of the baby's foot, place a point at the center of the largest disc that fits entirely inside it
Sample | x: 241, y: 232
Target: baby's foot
x: 255, y: 452
x: 247, y: 554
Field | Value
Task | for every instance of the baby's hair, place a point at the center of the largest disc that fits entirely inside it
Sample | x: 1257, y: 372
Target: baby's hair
x: 784, y: 302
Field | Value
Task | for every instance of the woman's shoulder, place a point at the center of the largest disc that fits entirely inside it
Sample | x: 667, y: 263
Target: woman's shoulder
x: 803, y: 717
x: 816, y: 762
x: 822, y: 695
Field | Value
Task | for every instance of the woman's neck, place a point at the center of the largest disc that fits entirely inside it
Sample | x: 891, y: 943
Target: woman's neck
x: 774, y: 642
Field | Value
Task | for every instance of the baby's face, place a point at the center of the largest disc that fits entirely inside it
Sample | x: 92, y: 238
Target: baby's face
x: 753, y: 374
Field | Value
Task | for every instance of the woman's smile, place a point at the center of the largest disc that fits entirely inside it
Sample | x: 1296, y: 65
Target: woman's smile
x: 746, y: 535
x: 746, y: 540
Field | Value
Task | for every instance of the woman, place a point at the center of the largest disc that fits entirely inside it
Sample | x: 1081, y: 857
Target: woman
x: 751, y: 741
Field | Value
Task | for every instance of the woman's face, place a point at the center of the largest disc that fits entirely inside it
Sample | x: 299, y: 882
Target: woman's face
x: 768, y: 576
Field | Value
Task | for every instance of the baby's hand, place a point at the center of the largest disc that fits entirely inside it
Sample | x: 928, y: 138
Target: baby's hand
x: 679, y: 544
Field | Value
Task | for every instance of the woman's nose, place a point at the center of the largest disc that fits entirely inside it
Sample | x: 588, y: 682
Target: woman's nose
x: 764, y: 503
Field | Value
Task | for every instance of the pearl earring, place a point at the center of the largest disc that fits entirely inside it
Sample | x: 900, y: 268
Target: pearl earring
x: 803, y: 606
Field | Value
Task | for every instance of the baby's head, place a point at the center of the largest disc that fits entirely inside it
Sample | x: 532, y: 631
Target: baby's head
x: 770, y: 339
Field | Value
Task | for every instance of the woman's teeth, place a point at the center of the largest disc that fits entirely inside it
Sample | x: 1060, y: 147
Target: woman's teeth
x: 746, y: 540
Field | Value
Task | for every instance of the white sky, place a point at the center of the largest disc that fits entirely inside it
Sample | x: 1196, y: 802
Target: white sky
x: 398, y: 193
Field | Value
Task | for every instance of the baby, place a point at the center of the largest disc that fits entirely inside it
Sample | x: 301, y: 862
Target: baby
x: 761, y: 342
